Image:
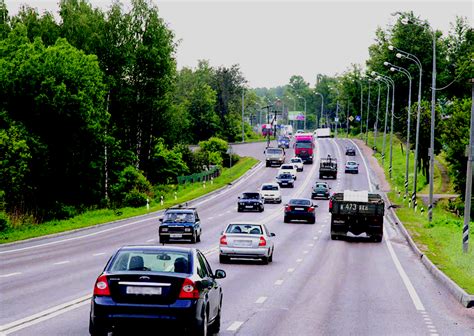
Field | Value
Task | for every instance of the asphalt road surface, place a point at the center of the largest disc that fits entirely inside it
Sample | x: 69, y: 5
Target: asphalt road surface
x: 315, y: 286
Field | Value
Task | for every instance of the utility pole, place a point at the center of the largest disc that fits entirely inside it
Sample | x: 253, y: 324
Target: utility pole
x: 376, y: 125
x: 467, y: 200
x: 243, y: 109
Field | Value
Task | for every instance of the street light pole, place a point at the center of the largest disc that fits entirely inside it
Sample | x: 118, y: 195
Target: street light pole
x: 376, y: 125
x: 415, y: 59
x: 387, y: 99
x: 407, y: 73
x: 467, y: 197
x: 322, y: 107
x: 391, y: 81
x: 367, y: 117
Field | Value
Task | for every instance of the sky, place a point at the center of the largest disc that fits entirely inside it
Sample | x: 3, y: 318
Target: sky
x: 273, y: 40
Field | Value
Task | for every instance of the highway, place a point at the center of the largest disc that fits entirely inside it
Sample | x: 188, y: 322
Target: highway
x: 315, y: 286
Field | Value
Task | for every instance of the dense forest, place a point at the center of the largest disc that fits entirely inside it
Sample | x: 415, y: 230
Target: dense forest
x: 94, y: 112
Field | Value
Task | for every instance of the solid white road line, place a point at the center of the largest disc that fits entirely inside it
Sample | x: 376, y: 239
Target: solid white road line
x: 406, y: 281
x: 98, y: 254
x: 9, y: 275
x: 150, y: 240
x: 310, y: 244
x: 261, y: 299
x: 44, y: 315
x: 62, y: 262
x: 77, y: 238
x: 235, y: 326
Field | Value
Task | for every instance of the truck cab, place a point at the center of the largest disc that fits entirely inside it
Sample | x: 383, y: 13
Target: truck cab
x: 274, y: 156
x: 304, y: 147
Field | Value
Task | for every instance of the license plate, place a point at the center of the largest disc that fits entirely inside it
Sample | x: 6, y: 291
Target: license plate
x: 176, y: 235
x: 299, y: 208
x: 284, y: 183
x: 144, y: 290
x: 249, y: 206
x: 243, y: 243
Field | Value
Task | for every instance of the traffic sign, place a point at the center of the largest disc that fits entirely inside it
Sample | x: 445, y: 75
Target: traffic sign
x: 351, y: 118
x: 358, y: 118
x: 336, y: 119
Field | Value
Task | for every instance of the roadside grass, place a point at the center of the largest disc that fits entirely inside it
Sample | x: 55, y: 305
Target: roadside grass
x: 440, y: 240
x: 184, y: 193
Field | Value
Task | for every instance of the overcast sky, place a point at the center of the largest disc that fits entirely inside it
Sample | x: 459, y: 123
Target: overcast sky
x: 273, y: 40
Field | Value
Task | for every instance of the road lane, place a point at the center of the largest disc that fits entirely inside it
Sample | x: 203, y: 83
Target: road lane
x: 334, y: 287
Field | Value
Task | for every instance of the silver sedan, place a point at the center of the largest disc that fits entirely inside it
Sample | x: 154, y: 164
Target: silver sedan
x: 246, y: 240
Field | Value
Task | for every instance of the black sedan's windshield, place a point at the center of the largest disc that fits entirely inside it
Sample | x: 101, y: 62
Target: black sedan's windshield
x: 251, y: 196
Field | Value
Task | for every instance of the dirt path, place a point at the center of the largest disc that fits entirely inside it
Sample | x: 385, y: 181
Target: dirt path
x: 444, y: 177
x: 374, y: 165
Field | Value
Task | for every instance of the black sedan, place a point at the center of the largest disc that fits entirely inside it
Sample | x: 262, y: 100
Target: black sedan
x: 285, y: 180
x: 300, y: 209
x: 350, y: 151
x: 168, y: 286
x: 251, y: 201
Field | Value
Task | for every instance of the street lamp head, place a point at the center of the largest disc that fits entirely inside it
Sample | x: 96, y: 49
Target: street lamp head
x: 399, y: 55
x: 385, y: 63
x: 373, y: 73
x: 392, y: 69
x: 390, y: 47
x: 404, y: 21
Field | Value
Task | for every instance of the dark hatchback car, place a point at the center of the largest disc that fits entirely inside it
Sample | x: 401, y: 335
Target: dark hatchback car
x: 320, y: 190
x: 250, y: 201
x: 285, y: 180
x: 300, y: 209
x: 284, y: 142
x: 180, y: 223
x: 350, y: 151
x: 163, y: 286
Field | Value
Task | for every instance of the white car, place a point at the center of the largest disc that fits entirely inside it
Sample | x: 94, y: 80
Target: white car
x: 288, y: 169
x: 246, y: 240
x: 271, y: 192
x: 298, y: 162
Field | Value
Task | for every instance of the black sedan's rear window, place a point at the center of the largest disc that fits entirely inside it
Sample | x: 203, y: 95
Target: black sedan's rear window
x: 300, y: 202
x: 153, y: 261
x: 251, y: 196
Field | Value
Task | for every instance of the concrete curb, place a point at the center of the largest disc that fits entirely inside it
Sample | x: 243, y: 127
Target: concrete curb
x: 151, y: 214
x: 460, y: 294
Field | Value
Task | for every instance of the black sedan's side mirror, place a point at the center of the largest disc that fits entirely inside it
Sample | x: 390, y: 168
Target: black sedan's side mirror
x: 238, y: 197
x: 315, y: 205
x: 272, y: 234
x: 220, y: 274
x: 264, y: 151
x: 161, y: 219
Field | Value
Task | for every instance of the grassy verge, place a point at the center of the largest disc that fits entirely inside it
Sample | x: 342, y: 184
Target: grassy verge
x: 90, y: 218
x: 440, y: 240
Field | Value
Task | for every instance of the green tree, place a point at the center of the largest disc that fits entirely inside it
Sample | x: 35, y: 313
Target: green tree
x: 167, y: 164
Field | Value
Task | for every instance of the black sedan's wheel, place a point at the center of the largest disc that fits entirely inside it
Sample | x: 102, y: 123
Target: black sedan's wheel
x: 312, y: 221
x: 265, y: 260
x: 286, y: 219
x: 201, y: 328
x: 223, y: 259
x: 261, y: 209
x: 95, y: 331
x: 194, y: 238
x: 163, y: 240
x: 270, y: 259
x: 239, y: 209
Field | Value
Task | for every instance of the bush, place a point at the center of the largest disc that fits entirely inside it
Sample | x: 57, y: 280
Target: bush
x: 4, y: 221
x: 131, y: 181
x: 135, y: 199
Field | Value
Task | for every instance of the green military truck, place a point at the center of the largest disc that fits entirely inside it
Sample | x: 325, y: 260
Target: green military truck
x: 328, y: 168
x: 356, y: 212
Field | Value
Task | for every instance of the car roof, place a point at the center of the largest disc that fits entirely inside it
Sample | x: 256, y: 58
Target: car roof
x: 270, y: 183
x: 157, y: 248
x: 299, y: 199
x: 244, y: 223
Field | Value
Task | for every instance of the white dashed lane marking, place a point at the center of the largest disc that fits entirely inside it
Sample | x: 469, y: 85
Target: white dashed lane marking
x: 9, y: 275
x: 235, y: 326
x: 278, y: 282
x: 291, y: 270
x: 62, y: 262
x: 98, y: 254
x: 261, y: 299
x: 299, y: 260
x: 305, y: 252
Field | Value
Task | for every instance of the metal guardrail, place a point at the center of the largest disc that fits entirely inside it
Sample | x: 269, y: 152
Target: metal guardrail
x: 206, y: 175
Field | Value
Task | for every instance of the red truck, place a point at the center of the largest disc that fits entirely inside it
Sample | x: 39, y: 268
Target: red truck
x: 304, y: 147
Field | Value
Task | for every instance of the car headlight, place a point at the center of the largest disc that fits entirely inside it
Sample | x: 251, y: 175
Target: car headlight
x: 164, y: 229
x: 187, y: 229
x: 242, y: 203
